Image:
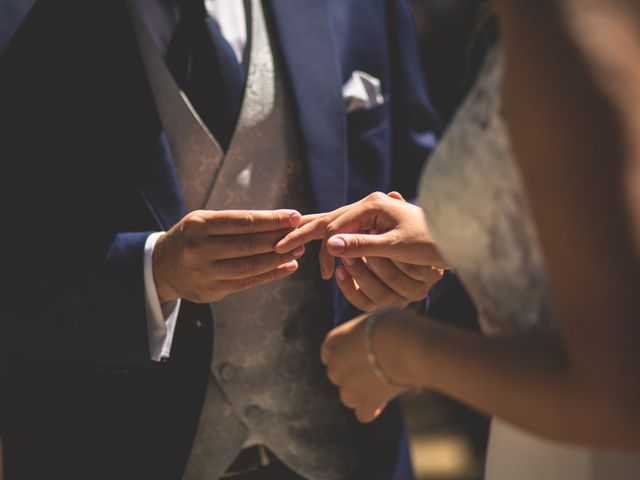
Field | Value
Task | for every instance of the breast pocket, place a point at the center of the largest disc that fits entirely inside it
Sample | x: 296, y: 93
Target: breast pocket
x: 369, y: 134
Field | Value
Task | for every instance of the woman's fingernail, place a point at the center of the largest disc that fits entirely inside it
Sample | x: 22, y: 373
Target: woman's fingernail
x: 291, y: 266
x: 337, y: 245
x: 298, y: 252
x: 295, y: 219
x: 349, y: 261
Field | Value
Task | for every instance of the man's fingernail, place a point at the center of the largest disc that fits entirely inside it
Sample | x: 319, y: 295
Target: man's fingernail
x: 349, y: 261
x: 298, y: 252
x: 341, y: 275
x: 337, y: 245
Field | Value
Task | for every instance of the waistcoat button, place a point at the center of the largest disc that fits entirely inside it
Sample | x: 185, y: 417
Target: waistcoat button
x: 227, y: 372
x: 254, y: 413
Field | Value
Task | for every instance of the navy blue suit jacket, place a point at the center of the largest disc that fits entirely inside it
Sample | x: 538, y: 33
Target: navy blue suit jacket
x: 86, y: 176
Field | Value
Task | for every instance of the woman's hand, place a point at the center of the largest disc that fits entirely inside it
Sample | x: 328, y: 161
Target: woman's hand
x: 344, y: 352
x: 386, y: 249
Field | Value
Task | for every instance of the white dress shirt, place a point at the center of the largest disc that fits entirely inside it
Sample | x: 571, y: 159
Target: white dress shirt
x: 161, y: 18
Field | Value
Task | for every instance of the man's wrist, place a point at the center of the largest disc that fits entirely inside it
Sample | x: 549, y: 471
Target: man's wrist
x: 166, y: 294
x: 161, y: 318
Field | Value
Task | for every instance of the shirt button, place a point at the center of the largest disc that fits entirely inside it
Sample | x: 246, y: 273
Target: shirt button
x: 227, y: 372
x: 200, y: 324
x: 254, y: 413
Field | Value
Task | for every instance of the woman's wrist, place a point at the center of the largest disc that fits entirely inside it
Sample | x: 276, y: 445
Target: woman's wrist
x: 397, y: 342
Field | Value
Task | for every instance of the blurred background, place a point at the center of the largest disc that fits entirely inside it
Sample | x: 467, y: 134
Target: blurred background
x: 448, y: 440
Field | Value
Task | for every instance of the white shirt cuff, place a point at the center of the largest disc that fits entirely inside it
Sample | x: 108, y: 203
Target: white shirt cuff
x: 161, y: 319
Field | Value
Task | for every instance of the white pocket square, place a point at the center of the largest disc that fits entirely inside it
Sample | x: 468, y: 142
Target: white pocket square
x: 362, y: 91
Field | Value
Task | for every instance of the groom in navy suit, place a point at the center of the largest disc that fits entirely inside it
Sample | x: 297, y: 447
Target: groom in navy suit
x: 118, y: 121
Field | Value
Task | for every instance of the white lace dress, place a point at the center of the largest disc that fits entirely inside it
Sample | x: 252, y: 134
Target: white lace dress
x: 477, y: 211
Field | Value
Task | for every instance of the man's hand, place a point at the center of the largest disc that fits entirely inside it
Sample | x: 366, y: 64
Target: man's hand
x: 209, y: 254
x: 387, y: 251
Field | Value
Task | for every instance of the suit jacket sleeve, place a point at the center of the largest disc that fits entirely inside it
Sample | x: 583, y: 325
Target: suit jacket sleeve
x: 58, y: 308
x: 77, y: 135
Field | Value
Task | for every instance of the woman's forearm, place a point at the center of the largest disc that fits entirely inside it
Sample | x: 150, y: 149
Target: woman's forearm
x: 525, y: 380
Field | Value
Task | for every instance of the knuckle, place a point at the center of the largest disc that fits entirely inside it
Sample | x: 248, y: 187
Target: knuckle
x: 248, y: 244
x: 394, y: 238
x: 387, y: 298
x: 417, y: 271
x: 247, y: 222
x: 276, y: 217
x: 273, y: 275
x: 401, y: 301
x: 331, y: 228
x: 328, y: 345
x: 220, y: 290
x: 395, y: 280
x: 194, y: 220
x: 368, y: 306
x: 396, y: 301
x: 188, y: 255
x: 333, y: 375
x: 438, y: 273
x: 191, y: 247
x: 196, y: 295
x: 324, y: 353
x: 362, y: 415
x: 416, y: 296
x: 329, y: 339
x: 409, y: 295
x: 423, y: 290
x: 249, y: 282
x: 360, y: 303
x: 249, y: 267
x: 359, y: 242
x: 218, y: 296
x: 376, y: 197
x: 324, y: 222
x: 359, y: 398
x: 346, y: 398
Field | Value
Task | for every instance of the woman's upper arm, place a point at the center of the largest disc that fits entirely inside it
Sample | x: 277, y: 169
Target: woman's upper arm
x: 572, y: 92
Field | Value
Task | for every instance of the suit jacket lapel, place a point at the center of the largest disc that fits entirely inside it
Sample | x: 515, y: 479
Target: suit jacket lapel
x: 122, y: 134
x: 159, y: 185
x: 12, y: 14
x: 305, y: 39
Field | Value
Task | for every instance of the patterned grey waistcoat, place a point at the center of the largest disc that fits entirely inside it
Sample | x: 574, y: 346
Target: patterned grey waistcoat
x: 267, y: 382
